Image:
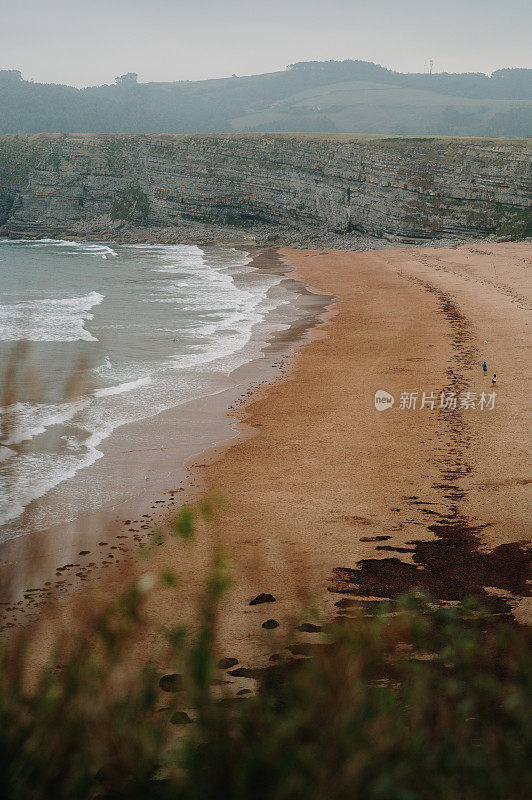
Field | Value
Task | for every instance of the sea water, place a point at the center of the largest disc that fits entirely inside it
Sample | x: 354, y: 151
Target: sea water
x: 94, y: 336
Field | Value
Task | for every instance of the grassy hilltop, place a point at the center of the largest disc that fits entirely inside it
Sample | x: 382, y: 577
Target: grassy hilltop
x: 347, y: 96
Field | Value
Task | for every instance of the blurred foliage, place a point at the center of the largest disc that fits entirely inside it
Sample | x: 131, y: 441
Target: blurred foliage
x: 410, y: 702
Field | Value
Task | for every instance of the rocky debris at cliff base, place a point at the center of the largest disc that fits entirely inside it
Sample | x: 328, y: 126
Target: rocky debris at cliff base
x: 265, y: 235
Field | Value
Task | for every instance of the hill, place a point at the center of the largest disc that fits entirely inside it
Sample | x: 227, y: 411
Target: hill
x: 322, y: 97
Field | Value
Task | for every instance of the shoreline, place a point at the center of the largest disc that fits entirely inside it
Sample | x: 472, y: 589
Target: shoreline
x: 343, y: 505
x: 333, y: 503
x: 30, y: 564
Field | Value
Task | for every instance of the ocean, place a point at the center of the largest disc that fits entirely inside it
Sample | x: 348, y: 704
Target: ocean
x: 94, y: 336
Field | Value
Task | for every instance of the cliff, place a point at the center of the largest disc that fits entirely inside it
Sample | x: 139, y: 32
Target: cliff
x: 270, y: 185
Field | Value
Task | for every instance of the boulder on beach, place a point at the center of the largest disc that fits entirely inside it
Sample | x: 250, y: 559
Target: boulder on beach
x: 180, y: 718
x: 270, y: 623
x: 309, y: 627
x: 227, y: 663
x: 262, y: 598
x: 171, y: 683
x: 244, y: 672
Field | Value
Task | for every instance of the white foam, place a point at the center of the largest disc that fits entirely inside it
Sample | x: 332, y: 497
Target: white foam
x: 179, y: 256
x: 94, y: 248
x: 48, y: 320
x: 5, y: 453
x: 122, y: 387
x: 227, y: 313
x: 35, y: 474
x: 217, y: 301
x: 102, y: 250
x: 105, y: 367
x: 24, y: 421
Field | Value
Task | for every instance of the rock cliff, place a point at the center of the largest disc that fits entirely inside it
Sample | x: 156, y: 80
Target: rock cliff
x: 278, y: 186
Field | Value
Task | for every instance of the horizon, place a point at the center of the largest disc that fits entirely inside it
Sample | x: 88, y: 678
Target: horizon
x: 66, y: 43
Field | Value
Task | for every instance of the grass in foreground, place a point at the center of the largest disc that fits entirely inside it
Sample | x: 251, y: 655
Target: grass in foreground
x: 417, y: 702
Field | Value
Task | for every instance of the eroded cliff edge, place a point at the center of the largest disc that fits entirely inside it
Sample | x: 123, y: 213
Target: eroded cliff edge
x: 286, y: 188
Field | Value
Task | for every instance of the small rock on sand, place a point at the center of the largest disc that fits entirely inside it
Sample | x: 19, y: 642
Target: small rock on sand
x: 309, y: 627
x: 171, y: 683
x: 270, y: 623
x: 262, y: 598
x: 227, y: 663
x: 243, y: 672
x: 180, y: 718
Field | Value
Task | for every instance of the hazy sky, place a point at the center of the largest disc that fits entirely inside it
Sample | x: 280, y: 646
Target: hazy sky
x: 90, y: 42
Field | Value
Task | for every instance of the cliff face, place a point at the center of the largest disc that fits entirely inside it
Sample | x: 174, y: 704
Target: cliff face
x: 412, y: 189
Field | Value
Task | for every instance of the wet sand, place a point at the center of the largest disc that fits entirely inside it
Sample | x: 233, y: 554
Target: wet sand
x: 334, y: 501
x: 143, y: 474
x: 334, y: 497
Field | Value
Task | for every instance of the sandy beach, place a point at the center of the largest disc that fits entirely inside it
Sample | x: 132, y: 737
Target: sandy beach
x: 348, y: 502
x: 329, y: 499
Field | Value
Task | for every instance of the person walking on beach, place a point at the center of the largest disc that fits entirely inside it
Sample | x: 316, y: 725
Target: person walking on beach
x: 485, y: 367
x: 494, y: 380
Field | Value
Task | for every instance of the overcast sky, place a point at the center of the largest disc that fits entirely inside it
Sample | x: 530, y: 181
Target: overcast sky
x: 91, y: 41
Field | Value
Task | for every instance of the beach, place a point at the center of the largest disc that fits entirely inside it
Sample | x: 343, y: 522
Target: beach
x: 336, y: 499
x: 329, y: 501
x: 139, y: 469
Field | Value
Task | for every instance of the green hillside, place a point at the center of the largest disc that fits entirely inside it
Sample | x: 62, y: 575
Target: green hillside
x: 360, y: 107
x: 347, y: 97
